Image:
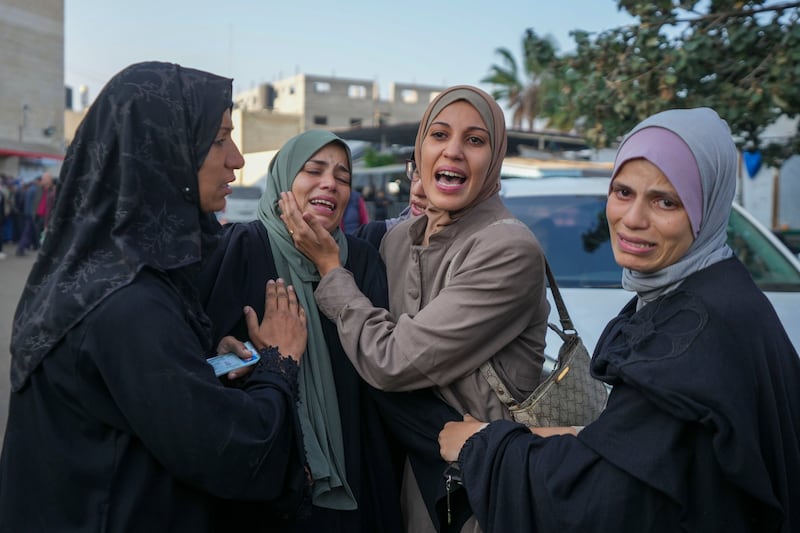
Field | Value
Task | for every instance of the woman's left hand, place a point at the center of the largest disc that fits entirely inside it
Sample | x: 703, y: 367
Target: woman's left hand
x: 309, y: 236
x: 455, y: 434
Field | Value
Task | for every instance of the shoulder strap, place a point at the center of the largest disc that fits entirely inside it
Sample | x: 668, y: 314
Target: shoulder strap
x: 563, y: 314
x: 487, y: 370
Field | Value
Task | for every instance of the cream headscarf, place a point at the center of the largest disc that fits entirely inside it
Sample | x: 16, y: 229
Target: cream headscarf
x: 318, y: 408
x: 492, y: 116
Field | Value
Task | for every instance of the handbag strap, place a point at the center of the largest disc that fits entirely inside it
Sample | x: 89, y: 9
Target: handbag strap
x: 563, y: 314
x: 487, y: 370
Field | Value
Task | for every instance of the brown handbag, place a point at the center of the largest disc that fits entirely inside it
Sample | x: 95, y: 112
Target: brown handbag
x: 569, y: 396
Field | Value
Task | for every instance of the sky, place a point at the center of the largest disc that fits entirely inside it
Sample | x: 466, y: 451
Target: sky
x: 427, y: 42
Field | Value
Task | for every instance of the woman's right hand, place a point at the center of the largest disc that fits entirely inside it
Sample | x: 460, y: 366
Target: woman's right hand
x: 309, y: 236
x: 284, y: 323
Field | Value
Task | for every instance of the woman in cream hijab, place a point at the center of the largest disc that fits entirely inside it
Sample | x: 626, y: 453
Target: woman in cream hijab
x: 466, y: 280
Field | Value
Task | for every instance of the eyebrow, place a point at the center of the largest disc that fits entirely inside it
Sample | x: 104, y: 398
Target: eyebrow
x: 325, y: 163
x: 470, y: 128
x: 649, y: 192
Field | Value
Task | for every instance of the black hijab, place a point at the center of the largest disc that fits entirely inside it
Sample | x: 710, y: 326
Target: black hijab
x: 128, y: 200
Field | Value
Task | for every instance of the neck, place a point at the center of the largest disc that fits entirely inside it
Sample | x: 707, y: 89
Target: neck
x: 437, y: 219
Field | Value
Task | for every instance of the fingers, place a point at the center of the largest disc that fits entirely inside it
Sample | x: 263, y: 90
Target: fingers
x: 319, y: 231
x: 271, y: 296
x: 251, y: 320
x: 302, y: 315
x: 227, y: 344
x: 279, y: 297
x: 291, y: 214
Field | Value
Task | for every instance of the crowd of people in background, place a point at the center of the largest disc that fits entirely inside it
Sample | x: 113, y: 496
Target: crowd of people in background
x: 25, y: 208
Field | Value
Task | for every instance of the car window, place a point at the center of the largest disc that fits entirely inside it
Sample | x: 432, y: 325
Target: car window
x: 574, y: 235
x: 573, y: 231
x: 769, y: 268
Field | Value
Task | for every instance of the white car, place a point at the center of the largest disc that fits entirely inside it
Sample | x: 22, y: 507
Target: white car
x: 241, y: 205
x: 567, y: 215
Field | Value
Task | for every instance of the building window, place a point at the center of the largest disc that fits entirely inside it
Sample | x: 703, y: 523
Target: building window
x: 291, y: 89
x: 358, y: 92
x: 409, y: 96
x: 355, y: 122
x: 322, y: 87
x: 320, y: 120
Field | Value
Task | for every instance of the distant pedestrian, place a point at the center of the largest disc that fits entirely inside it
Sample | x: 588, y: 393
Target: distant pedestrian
x: 30, y: 203
x: 44, y: 205
x: 381, y: 205
x: 355, y: 214
x: 5, y: 209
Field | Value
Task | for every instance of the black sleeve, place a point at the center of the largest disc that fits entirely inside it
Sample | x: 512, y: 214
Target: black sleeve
x: 234, y: 276
x: 413, y: 418
x: 517, y: 481
x: 233, y: 443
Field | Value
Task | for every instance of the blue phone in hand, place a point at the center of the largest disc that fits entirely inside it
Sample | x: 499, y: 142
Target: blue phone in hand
x: 230, y: 361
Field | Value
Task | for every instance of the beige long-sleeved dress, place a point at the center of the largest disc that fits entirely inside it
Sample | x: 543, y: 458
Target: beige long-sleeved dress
x: 476, y: 292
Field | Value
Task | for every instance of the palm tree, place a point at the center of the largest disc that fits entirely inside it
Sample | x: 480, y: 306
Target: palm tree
x: 522, y: 94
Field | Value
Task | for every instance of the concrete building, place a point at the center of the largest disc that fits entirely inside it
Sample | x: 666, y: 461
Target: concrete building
x: 339, y: 103
x: 32, y: 93
x: 268, y: 115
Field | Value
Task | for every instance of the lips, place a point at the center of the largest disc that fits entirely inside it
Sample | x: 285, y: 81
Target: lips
x: 449, y: 180
x: 323, y: 203
x: 633, y: 245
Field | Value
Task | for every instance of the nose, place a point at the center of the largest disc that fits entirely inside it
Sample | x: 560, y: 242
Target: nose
x: 416, y: 187
x: 454, y: 149
x: 235, y: 159
x: 636, y: 214
x: 328, y: 180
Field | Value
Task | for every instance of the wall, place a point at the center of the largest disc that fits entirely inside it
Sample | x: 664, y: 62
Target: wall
x: 32, y: 94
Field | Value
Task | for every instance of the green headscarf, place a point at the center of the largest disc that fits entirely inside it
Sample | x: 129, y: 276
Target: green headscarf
x: 318, y: 408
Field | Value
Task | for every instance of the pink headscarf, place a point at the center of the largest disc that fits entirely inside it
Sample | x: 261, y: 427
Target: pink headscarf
x: 666, y: 150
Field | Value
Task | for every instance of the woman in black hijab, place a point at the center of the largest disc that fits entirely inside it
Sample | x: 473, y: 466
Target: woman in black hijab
x: 116, y: 421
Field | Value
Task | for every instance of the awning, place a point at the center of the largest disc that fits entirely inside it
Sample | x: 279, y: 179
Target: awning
x: 30, y: 155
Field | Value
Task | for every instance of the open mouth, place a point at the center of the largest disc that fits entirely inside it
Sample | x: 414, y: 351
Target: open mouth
x: 447, y: 179
x: 323, y: 203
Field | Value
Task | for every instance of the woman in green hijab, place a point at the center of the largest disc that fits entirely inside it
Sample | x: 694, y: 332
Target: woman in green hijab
x: 354, y: 484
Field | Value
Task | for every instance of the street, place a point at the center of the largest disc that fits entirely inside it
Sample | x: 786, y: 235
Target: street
x: 13, y: 273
